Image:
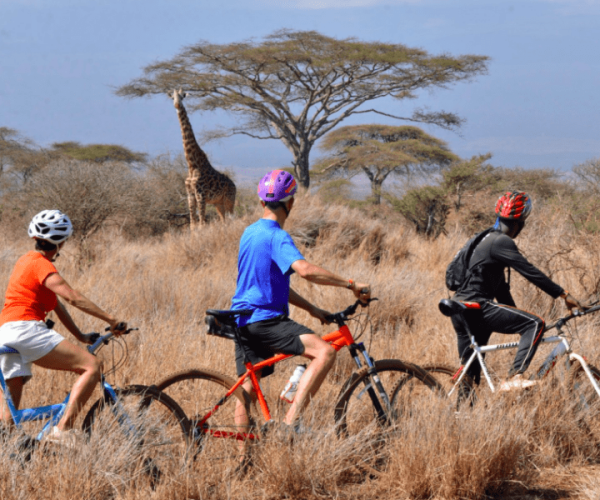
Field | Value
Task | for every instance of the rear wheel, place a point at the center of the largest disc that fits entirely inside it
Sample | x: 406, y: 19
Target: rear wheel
x: 447, y: 375
x: 219, y: 440
x: 587, y: 400
x: 143, y: 424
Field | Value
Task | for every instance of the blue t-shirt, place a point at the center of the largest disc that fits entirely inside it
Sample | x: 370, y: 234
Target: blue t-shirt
x: 265, y: 261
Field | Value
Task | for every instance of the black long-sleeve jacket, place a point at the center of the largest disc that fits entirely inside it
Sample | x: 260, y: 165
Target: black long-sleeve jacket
x: 486, y: 280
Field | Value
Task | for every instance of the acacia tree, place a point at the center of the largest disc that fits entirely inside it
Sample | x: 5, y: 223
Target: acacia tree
x: 380, y: 151
x: 467, y: 175
x: 296, y: 86
x: 98, y: 153
x: 20, y: 157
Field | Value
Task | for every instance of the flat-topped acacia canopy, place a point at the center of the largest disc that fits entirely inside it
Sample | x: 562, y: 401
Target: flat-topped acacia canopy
x: 296, y: 86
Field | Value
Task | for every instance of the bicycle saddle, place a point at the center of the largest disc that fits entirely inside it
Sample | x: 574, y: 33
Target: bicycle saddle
x: 449, y: 307
x: 227, y: 316
x: 222, y: 322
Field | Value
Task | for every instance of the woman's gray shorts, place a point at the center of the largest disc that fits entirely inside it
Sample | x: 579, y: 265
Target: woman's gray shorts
x: 33, y: 340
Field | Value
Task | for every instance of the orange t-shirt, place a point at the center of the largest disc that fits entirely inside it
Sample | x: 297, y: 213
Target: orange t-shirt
x: 26, y: 296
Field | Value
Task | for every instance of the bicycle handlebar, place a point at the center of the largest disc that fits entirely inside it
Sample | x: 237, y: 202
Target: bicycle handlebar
x: 575, y: 314
x: 100, y: 340
x: 340, y: 317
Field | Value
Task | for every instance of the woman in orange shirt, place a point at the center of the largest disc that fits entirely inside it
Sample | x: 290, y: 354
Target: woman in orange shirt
x: 33, y: 291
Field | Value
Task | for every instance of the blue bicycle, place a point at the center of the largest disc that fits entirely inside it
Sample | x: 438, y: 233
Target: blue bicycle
x: 136, y: 415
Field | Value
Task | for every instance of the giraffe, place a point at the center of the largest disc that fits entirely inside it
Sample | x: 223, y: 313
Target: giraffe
x: 204, y: 184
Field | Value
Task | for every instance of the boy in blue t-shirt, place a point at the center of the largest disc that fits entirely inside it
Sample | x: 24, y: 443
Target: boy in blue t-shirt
x: 266, y: 260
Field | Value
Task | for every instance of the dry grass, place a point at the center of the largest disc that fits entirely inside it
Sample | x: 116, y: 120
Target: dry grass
x: 503, y: 448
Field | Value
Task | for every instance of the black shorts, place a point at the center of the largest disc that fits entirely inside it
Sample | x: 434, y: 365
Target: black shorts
x: 263, y: 339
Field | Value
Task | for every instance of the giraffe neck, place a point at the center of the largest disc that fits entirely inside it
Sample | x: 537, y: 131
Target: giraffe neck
x: 195, y: 157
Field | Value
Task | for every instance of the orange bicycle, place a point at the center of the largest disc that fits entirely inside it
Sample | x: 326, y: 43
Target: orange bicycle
x: 367, y: 397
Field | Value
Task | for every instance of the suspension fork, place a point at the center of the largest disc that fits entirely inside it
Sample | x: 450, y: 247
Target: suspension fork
x: 372, y: 383
x: 587, y: 371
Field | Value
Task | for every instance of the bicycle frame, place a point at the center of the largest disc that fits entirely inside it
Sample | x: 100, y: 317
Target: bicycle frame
x: 53, y: 413
x: 563, y: 348
x: 338, y: 339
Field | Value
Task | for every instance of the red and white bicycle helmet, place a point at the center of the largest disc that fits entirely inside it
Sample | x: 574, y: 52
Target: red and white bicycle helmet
x: 50, y: 225
x: 514, y: 205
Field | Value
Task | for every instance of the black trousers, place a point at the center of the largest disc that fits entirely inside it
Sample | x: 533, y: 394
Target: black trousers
x: 493, y: 317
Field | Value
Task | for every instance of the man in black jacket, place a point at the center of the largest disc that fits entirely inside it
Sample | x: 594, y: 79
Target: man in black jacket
x: 486, y: 285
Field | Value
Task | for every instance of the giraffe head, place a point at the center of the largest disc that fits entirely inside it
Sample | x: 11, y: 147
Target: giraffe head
x: 178, y: 96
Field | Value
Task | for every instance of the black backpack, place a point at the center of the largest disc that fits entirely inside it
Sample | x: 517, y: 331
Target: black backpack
x: 457, y: 271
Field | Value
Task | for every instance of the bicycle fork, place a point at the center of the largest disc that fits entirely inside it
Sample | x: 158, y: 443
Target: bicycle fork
x: 375, y: 388
x: 586, y: 368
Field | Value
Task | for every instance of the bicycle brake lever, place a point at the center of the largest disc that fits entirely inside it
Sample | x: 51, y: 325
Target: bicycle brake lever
x: 365, y: 304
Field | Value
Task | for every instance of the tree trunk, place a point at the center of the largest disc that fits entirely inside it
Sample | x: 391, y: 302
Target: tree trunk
x: 302, y: 167
x: 376, y: 190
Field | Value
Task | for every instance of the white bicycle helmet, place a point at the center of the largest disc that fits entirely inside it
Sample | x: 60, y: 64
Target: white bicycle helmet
x: 50, y: 225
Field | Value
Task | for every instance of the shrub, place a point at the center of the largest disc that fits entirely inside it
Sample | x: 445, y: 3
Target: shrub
x: 91, y: 195
x: 426, y: 207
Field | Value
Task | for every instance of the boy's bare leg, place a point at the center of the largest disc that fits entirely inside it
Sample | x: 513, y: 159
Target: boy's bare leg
x: 322, y: 357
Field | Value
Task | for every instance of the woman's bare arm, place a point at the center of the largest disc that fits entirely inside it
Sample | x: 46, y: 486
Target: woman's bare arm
x: 57, y: 284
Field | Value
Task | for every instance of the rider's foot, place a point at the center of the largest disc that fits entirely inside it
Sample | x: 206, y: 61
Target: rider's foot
x: 68, y: 439
x: 243, y: 467
x: 282, y: 431
x: 517, y: 383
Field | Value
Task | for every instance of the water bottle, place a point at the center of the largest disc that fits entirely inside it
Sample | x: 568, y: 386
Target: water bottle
x: 289, y: 391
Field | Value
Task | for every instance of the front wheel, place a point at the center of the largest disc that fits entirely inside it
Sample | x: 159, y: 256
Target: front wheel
x: 366, y: 405
x: 367, y: 398
x: 142, y: 424
x: 587, y: 400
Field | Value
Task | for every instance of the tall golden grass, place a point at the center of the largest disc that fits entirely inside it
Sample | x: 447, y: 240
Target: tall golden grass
x: 504, y: 447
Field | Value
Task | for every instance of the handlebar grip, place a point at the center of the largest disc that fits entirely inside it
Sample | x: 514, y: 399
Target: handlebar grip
x: 120, y: 326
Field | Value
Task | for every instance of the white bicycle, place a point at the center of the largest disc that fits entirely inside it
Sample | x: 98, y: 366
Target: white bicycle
x: 583, y: 379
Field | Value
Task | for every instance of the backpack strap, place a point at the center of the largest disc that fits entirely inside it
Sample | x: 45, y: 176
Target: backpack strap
x: 476, y: 243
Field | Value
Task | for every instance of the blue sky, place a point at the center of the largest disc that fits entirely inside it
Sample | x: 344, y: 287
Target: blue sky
x: 538, y: 105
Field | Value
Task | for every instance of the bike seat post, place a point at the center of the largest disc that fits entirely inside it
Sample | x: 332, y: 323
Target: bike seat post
x: 474, y: 344
x: 476, y: 353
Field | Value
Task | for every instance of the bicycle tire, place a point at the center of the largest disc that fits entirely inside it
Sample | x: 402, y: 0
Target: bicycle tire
x: 146, y: 420
x: 197, y: 391
x: 444, y: 375
x: 587, y: 401
x: 354, y: 411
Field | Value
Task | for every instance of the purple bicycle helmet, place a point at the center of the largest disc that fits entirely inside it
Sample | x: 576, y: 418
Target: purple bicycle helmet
x: 277, y: 185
